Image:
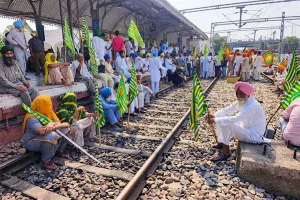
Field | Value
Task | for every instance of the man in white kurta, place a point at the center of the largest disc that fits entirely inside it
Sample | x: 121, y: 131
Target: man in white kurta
x: 257, y: 66
x: 155, y: 72
x: 211, y: 70
x: 17, y: 39
x: 243, y: 120
x: 99, y: 47
x: 237, y: 64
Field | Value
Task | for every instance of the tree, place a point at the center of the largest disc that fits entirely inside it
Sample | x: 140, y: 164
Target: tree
x: 290, y: 44
x: 218, y: 42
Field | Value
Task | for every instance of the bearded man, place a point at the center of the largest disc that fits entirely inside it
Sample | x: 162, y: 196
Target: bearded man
x: 12, y: 80
x: 247, y: 125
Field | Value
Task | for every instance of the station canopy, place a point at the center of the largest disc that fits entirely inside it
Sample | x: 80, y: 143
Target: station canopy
x: 152, y: 16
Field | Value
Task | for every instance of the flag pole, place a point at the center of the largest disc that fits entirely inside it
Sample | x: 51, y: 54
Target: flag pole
x: 212, y: 126
x: 128, y: 116
x: 139, y: 104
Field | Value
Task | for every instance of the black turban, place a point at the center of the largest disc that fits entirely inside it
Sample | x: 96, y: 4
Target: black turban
x: 6, y: 49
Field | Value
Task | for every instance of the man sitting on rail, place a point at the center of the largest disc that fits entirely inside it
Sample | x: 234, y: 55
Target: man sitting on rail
x: 145, y: 93
x: 44, y: 139
x: 248, y: 125
x: 279, y: 79
x: 12, y: 81
x: 289, y: 123
x: 110, y: 108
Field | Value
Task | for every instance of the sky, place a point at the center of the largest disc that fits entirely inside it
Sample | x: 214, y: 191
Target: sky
x: 204, y: 19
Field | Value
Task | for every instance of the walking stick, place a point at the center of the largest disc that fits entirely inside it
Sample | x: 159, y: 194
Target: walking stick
x: 212, y: 126
x: 271, y: 119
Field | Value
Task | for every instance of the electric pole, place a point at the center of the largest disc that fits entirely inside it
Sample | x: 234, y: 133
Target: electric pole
x: 241, y: 13
x: 255, y: 33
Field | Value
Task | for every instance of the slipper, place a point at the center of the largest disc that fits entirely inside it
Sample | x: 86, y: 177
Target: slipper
x: 218, y: 146
x: 220, y: 157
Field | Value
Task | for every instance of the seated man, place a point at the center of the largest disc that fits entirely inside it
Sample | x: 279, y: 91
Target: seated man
x: 178, y: 77
x: 109, y: 70
x: 289, y: 123
x: 110, y: 108
x: 12, y: 80
x: 269, y: 70
x: 82, y: 122
x: 279, y: 78
x: 248, y: 125
x: 44, y: 139
x: 145, y: 93
x: 82, y: 74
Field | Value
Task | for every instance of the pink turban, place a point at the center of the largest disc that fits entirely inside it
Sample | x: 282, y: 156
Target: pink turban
x: 244, y: 87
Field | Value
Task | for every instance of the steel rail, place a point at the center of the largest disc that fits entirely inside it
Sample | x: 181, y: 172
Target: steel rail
x: 21, y: 161
x: 136, y: 185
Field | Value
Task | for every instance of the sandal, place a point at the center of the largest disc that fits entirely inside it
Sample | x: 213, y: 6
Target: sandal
x: 63, y: 155
x: 49, y: 165
x: 220, y: 157
x: 218, y: 146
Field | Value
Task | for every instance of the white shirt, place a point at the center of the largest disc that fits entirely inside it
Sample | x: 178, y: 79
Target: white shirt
x: 99, y: 47
x: 136, y: 46
x: 84, y: 70
x: 128, y: 47
x: 139, y: 62
x: 107, y: 46
x: 168, y: 64
x: 121, y: 66
x: 16, y: 37
x: 170, y: 50
x: 251, y: 116
x: 238, y: 61
x: 258, y: 63
x: 154, y: 66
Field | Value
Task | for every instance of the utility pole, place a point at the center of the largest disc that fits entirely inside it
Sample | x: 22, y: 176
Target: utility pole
x: 255, y: 33
x: 281, y: 43
x: 241, y: 13
x: 273, y: 38
x: 212, y: 34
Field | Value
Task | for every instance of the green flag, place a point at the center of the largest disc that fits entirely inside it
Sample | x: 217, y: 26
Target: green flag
x: 1, y: 45
x: 68, y: 42
x: 87, y: 38
x: 206, y: 50
x: 245, y: 48
x: 134, y: 33
x: 291, y: 76
x: 268, y: 57
x: 122, y: 98
x: 293, y: 94
x: 98, y: 109
x: 42, y: 118
x: 133, y: 86
x: 198, y: 106
x: 220, y: 55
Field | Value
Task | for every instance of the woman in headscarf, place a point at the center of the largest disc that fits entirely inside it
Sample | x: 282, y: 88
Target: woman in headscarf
x: 57, y: 73
x: 82, y: 123
x: 44, y: 139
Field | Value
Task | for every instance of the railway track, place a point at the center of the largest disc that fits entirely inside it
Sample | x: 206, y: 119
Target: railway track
x: 126, y: 168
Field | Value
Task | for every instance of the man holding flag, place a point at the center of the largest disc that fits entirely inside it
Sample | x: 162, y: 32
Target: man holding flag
x: 248, y: 125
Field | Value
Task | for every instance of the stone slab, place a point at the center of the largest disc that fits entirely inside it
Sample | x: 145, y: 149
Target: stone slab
x: 276, y: 171
x: 31, y: 190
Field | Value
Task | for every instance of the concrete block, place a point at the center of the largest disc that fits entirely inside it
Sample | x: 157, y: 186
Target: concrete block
x: 276, y: 171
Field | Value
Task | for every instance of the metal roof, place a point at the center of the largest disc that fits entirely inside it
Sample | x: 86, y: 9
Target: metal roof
x: 114, y: 14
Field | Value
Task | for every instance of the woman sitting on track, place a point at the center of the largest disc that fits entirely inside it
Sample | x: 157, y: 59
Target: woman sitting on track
x: 44, y: 139
x: 57, y: 73
x: 82, y: 122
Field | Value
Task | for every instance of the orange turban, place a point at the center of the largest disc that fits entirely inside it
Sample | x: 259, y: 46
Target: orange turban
x: 244, y: 54
x: 281, y: 67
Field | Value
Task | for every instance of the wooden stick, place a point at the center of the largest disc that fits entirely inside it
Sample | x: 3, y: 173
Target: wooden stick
x: 128, y: 115
x: 139, y: 104
x: 99, y: 135
x: 212, y: 126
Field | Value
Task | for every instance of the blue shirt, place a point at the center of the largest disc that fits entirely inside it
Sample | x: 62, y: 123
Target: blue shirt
x: 205, y: 64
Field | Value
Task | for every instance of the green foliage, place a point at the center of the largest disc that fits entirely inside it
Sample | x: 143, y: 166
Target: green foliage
x: 290, y: 44
x: 218, y: 43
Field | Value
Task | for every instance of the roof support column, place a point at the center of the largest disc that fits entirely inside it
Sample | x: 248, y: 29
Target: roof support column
x: 96, y: 22
x: 37, y: 13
